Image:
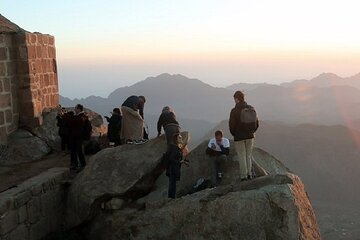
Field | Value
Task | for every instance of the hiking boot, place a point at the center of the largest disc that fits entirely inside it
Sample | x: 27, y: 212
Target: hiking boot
x: 199, y: 182
x: 140, y: 141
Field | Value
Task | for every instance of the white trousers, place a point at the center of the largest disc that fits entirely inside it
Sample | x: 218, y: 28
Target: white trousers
x: 244, y: 154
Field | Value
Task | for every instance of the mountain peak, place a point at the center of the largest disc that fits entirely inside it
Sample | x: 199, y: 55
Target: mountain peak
x: 326, y: 77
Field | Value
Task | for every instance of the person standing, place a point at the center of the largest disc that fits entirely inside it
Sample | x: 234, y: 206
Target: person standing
x: 114, y: 126
x: 243, y: 123
x: 175, y: 159
x: 218, y: 149
x: 77, y: 125
x: 132, y: 126
x: 167, y: 121
x: 63, y: 130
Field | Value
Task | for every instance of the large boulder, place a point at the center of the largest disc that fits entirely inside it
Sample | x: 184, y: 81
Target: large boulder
x: 23, y: 146
x: 269, y: 207
x: 126, y: 171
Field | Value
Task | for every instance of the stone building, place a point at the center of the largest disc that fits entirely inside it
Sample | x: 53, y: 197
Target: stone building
x: 28, y: 77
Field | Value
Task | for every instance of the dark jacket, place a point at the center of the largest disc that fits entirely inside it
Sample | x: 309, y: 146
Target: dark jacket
x: 238, y: 129
x: 63, y: 127
x: 212, y: 152
x: 114, y: 127
x: 164, y: 119
x: 175, y: 156
x: 135, y: 103
x: 76, y: 124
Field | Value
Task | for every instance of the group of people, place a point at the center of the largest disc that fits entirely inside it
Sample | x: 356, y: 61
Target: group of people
x: 74, y: 128
x: 243, y: 123
x: 127, y: 125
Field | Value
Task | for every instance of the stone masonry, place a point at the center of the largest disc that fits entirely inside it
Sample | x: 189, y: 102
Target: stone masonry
x: 28, y: 77
x: 35, y: 208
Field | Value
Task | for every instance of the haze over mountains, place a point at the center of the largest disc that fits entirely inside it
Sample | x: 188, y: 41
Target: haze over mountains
x: 325, y: 99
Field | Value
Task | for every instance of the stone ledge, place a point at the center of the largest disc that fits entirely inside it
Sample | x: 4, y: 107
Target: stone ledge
x: 18, y: 196
x: 34, y: 208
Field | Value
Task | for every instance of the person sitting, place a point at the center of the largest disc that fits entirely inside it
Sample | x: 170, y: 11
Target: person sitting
x: 218, y: 150
x: 167, y: 121
x: 132, y: 125
x: 114, y: 126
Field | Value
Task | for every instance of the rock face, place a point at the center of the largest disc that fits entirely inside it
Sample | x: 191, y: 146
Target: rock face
x: 122, y: 195
x: 119, y: 172
x: 22, y: 147
x: 271, y: 207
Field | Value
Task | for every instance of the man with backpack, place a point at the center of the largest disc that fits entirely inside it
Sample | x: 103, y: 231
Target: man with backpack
x: 80, y: 130
x: 243, y: 123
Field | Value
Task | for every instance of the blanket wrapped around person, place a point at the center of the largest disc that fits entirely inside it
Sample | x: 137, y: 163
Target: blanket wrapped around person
x: 132, y: 124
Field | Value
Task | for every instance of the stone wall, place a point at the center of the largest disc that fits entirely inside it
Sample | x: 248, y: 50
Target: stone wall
x: 37, y: 74
x: 28, y: 80
x: 35, y: 208
x: 9, y: 114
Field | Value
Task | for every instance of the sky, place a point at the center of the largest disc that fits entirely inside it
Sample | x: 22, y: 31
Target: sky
x: 103, y: 45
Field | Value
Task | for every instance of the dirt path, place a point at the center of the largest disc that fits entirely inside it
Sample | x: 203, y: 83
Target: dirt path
x: 11, y: 176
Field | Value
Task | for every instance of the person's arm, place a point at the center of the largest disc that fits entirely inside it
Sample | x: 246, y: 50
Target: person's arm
x: 210, y: 151
x: 232, y: 122
x: 159, y: 124
x: 257, y: 124
x: 224, y: 150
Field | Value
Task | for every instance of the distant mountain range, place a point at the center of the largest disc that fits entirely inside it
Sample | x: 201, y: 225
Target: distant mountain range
x: 327, y: 80
x: 326, y: 99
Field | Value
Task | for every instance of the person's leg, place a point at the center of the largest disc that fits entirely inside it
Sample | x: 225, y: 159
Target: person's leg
x: 219, y: 165
x: 80, y: 153
x: 63, y: 142
x: 172, y: 188
x: 212, y: 170
x: 249, y: 143
x: 73, y: 155
x: 241, y: 155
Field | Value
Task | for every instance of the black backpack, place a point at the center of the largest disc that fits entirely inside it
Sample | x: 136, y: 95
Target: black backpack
x: 249, y: 116
x: 87, y: 130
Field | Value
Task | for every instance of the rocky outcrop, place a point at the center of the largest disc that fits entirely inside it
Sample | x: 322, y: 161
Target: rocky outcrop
x: 124, y: 172
x: 22, y: 147
x: 122, y: 195
x: 270, y: 207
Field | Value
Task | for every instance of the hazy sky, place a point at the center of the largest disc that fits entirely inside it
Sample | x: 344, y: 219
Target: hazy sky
x: 102, y: 45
